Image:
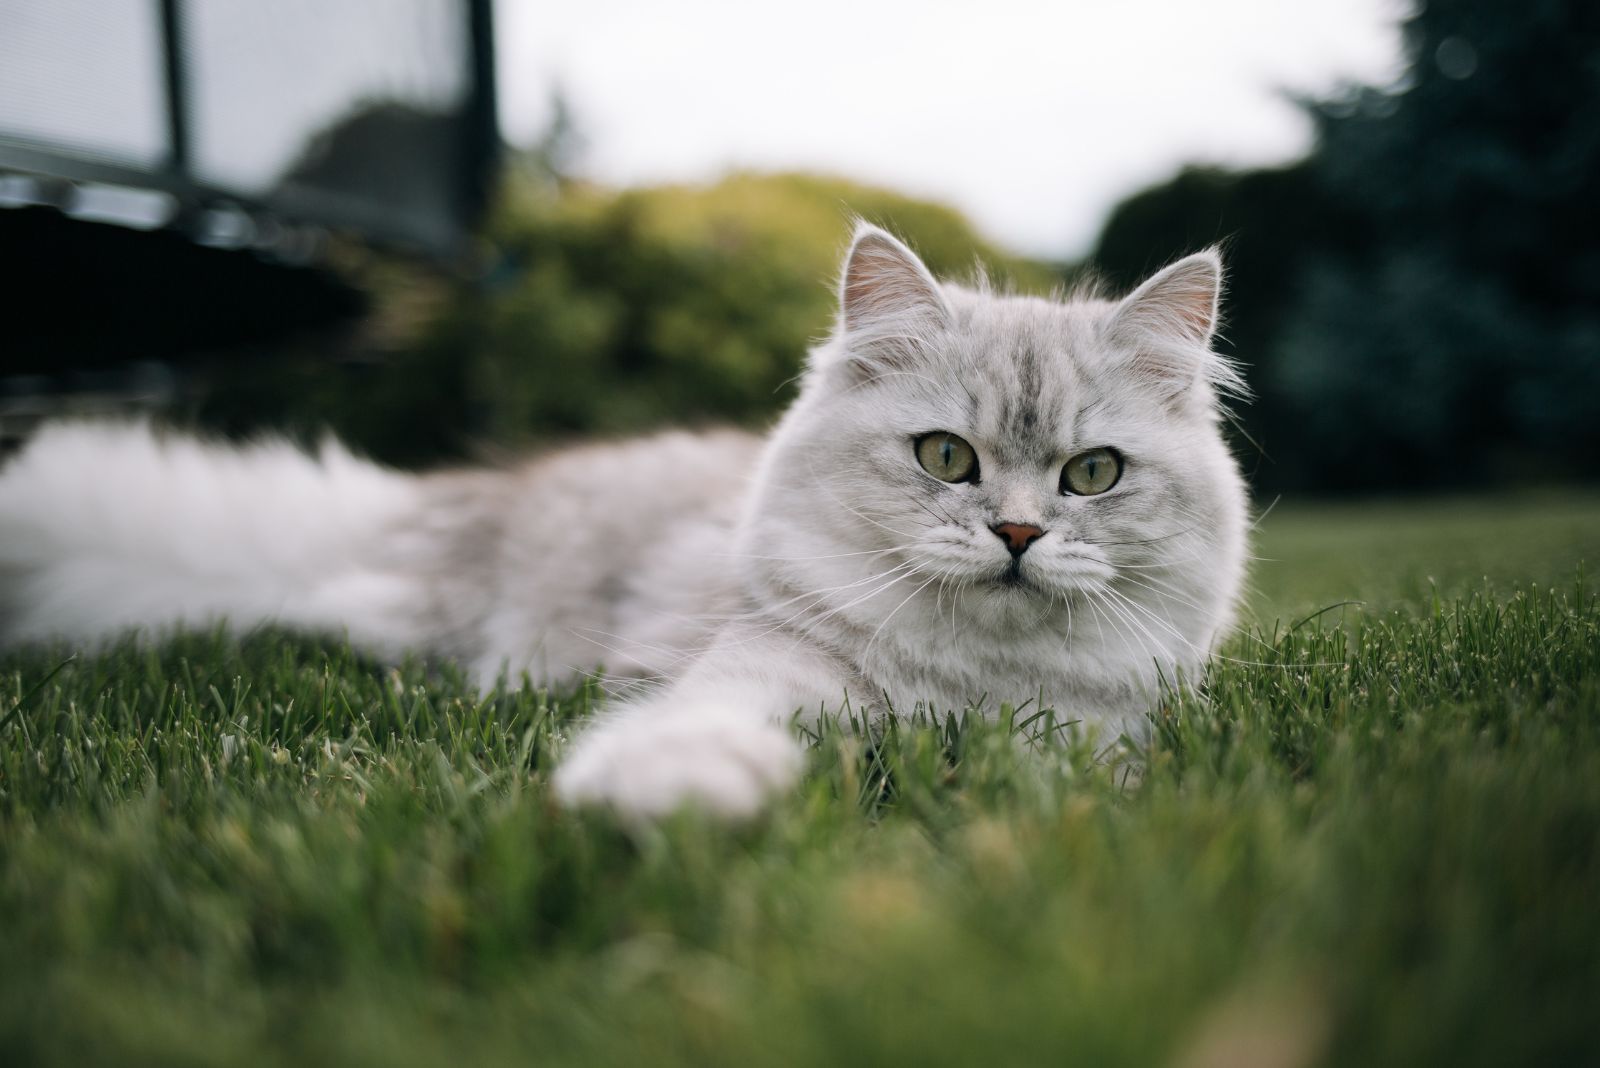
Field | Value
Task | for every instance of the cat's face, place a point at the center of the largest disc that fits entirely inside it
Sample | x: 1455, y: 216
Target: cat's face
x: 1009, y: 457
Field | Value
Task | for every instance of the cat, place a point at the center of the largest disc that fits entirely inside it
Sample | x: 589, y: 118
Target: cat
x: 975, y: 498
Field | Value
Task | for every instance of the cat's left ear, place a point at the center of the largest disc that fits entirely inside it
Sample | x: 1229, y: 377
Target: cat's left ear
x: 1166, y: 327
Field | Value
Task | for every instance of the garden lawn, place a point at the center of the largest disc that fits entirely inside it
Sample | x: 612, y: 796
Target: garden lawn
x: 1372, y: 837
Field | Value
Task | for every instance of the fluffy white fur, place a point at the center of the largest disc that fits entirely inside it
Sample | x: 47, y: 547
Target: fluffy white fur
x: 739, y: 581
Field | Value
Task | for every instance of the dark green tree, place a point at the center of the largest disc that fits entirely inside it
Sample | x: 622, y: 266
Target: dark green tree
x: 1264, y: 220
x: 1419, y: 301
x: 1455, y: 338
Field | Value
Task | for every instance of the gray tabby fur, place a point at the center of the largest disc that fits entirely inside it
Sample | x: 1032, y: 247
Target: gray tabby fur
x: 737, y: 581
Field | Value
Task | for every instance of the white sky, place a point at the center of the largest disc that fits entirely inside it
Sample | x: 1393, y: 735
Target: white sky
x: 1031, y: 116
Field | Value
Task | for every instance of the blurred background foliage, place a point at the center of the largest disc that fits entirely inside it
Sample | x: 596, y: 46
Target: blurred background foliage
x: 599, y: 312
x: 1417, y: 303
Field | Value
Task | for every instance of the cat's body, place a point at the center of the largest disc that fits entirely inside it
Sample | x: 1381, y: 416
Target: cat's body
x: 975, y: 499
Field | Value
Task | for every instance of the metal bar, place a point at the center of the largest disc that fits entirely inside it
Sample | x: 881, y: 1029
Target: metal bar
x: 28, y: 155
x: 295, y: 207
x: 481, y: 140
x: 439, y: 234
x: 177, y: 88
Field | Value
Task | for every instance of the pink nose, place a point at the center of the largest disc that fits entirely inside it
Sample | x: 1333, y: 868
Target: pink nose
x: 1017, y: 536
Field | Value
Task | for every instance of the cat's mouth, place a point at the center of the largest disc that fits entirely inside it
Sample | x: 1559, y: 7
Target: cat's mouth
x: 1012, y: 578
x: 1016, y: 579
x: 1083, y: 574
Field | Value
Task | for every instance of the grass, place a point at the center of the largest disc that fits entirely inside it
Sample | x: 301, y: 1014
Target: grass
x: 1374, y: 838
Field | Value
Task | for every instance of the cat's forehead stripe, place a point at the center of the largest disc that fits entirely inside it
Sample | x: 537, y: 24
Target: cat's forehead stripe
x: 1032, y: 390
x: 1017, y: 357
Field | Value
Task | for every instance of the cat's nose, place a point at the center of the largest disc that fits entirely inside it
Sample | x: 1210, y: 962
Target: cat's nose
x: 1017, y: 536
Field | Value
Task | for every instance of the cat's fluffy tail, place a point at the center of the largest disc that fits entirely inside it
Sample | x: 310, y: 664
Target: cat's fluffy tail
x: 107, y: 527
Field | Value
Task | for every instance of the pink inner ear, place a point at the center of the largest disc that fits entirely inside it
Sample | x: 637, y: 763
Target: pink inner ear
x: 1178, y: 304
x: 1191, y: 298
x: 1196, y: 313
x: 864, y: 283
x: 880, y: 282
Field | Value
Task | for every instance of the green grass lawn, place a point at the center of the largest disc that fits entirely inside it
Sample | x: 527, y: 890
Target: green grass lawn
x: 1374, y: 838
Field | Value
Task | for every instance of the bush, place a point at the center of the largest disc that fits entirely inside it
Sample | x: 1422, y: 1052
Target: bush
x: 609, y: 312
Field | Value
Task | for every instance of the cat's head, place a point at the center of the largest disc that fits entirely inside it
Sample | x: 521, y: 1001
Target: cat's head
x: 1007, y: 456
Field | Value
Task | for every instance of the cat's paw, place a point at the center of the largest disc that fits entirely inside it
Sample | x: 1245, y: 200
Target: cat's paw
x: 647, y: 764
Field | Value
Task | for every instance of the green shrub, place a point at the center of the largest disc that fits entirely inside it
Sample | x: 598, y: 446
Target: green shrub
x: 605, y: 312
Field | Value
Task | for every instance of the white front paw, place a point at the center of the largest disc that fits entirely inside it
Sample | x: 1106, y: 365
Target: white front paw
x: 650, y: 763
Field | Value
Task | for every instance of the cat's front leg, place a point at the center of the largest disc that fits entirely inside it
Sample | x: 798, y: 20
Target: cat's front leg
x: 718, y: 739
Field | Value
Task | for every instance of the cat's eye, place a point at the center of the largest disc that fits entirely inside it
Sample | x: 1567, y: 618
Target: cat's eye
x: 1091, y: 472
x: 947, y: 457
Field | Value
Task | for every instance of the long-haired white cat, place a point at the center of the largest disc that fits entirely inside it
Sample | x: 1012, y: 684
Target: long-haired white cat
x: 976, y: 497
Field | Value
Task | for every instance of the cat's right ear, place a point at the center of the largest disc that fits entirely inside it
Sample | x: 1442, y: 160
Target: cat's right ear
x: 884, y: 281
x: 888, y: 300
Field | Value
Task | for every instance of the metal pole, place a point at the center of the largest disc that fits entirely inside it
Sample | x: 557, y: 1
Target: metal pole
x: 482, y: 141
x: 177, y: 87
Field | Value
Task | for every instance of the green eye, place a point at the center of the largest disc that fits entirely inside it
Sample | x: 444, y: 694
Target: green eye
x: 946, y: 457
x: 1091, y: 472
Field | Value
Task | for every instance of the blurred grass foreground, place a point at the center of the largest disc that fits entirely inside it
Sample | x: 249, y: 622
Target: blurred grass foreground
x: 1371, y: 837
